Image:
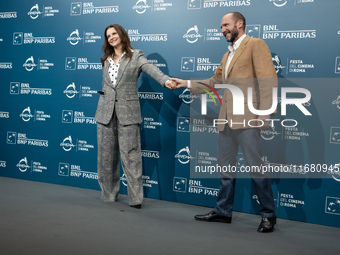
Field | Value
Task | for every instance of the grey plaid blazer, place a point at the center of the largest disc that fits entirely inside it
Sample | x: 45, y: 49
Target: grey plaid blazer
x: 124, y: 97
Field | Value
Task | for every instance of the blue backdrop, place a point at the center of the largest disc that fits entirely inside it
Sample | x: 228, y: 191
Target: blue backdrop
x: 50, y: 72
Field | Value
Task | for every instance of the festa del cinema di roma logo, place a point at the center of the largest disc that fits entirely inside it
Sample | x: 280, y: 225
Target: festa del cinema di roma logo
x: 279, y: 3
x: 141, y: 6
x: 238, y: 103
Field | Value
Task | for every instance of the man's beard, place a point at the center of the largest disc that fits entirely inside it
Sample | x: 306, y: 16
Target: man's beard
x: 233, y: 35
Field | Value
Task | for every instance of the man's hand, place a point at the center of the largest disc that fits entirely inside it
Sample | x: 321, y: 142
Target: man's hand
x: 170, y: 84
x: 180, y: 83
x: 265, y: 119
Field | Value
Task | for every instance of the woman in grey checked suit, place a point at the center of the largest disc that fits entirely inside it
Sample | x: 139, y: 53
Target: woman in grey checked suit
x: 118, y: 115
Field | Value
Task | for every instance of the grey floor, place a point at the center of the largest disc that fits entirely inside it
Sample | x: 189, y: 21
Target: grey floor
x: 40, y: 218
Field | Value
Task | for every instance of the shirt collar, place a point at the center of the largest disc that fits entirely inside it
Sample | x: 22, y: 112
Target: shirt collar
x: 110, y: 58
x: 236, y: 44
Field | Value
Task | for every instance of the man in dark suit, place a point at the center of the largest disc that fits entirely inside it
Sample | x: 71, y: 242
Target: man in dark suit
x: 248, y: 63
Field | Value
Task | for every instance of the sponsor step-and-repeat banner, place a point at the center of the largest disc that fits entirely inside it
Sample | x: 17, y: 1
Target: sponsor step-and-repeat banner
x: 50, y: 73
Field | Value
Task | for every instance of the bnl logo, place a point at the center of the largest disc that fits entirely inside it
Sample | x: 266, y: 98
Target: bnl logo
x: 188, y: 64
x: 253, y: 31
x: 17, y: 38
x: 183, y: 124
x: 76, y: 8
x: 64, y: 169
x: 11, y: 137
x: 67, y: 116
x: 70, y: 63
x: 332, y: 205
x: 180, y: 184
x: 335, y: 135
x: 194, y: 4
x: 337, y: 65
x: 14, y: 88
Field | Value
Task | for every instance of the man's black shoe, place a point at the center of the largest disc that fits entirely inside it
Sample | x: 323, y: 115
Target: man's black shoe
x: 212, y: 216
x: 267, y: 225
x: 136, y: 206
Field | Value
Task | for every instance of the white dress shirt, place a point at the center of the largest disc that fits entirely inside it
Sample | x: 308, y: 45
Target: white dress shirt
x: 232, y: 48
x: 113, y: 69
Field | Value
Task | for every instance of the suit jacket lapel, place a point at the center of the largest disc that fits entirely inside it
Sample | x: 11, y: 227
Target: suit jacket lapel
x: 121, y: 69
x: 238, y: 53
